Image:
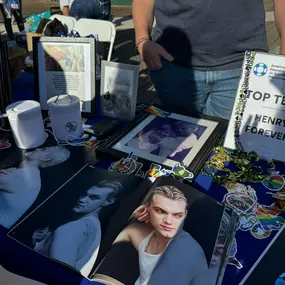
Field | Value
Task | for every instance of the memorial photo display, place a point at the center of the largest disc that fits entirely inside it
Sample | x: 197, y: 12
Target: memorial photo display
x: 106, y: 225
x: 168, y: 141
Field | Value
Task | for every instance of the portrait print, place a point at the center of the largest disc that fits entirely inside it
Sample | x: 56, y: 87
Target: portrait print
x: 70, y: 225
x: 169, y: 239
x: 119, y: 90
x: 168, y: 140
x: 28, y: 177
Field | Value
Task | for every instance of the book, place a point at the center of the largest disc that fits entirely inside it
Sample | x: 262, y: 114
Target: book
x: 122, y: 229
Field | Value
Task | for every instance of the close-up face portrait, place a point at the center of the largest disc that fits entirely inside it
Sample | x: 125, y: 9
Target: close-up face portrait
x: 93, y: 200
x: 183, y: 129
x: 166, y: 215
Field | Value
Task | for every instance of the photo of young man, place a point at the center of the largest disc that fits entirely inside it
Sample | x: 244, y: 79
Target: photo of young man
x: 70, y: 225
x: 77, y: 242
x: 161, y: 217
x: 167, y: 137
x: 164, y: 211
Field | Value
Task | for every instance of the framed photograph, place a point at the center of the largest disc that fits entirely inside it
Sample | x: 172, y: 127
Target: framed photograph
x: 65, y: 66
x: 168, y: 141
x: 119, y: 87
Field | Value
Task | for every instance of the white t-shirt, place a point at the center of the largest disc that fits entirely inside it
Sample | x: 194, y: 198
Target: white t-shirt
x: 63, y: 3
x: 147, y: 262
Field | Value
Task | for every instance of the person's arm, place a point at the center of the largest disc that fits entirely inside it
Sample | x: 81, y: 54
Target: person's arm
x: 151, y: 52
x: 279, y: 12
x: 65, y: 242
x: 65, y: 11
x: 133, y: 233
x: 143, y: 15
x: 65, y: 5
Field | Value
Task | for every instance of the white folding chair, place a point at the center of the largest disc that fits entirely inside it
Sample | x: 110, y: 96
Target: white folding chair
x: 68, y: 21
x: 105, y: 30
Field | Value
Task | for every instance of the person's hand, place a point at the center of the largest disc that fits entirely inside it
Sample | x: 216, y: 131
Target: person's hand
x: 141, y: 213
x: 39, y: 235
x: 152, y: 53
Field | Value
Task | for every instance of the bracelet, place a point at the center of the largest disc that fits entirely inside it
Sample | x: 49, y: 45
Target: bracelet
x: 141, y: 40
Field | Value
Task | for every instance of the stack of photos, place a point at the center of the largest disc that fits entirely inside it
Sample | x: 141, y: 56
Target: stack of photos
x: 29, y: 177
x: 120, y: 229
x: 269, y: 268
x: 168, y: 140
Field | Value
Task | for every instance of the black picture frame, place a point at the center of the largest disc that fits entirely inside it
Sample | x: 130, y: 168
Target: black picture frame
x: 93, y: 82
x: 106, y: 150
x: 5, y: 80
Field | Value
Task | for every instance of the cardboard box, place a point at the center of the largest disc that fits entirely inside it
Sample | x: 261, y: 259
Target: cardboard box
x: 30, y: 40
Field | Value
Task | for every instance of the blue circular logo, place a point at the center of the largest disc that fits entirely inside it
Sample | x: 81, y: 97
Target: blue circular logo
x: 260, y: 69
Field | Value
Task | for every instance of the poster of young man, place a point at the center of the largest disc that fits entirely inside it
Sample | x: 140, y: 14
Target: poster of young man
x: 29, y: 177
x: 69, y: 226
x: 170, y: 239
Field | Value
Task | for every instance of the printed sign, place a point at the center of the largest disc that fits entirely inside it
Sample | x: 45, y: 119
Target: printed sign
x: 258, y: 116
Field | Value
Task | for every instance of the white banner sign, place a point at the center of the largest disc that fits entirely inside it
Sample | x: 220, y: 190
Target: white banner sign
x: 258, y: 117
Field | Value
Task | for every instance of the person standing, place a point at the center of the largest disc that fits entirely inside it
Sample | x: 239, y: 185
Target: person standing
x: 8, y: 9
x: 196, y: 52
x: 90, y: 9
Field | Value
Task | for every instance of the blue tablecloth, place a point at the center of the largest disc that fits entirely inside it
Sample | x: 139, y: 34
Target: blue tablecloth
x: 23, y: 261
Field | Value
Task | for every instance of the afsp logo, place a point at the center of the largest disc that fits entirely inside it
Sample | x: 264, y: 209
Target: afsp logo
x: 260, y: 69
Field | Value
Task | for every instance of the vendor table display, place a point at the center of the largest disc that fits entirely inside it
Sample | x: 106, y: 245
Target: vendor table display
x: 235, y: 204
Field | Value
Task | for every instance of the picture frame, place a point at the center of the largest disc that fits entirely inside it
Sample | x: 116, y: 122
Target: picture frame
x: 190, y: 152
x: 5, y: 80
x: 119, y: 87
x: 65, y: 65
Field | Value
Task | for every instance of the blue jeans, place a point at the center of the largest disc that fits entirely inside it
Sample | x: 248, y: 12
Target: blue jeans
x: 90, y: 9
x: 211, y: 93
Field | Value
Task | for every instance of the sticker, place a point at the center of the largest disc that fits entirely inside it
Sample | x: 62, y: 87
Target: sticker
x: 268, y: 218
x: 71, y: 126
x: 234, y: 186
x: 232, y: 260
x: 91, y: 143
x: 179, y: 171
x: 127, y: 165
x: 274, y: 182
x: 155, y: 171
x: 157, y: 112
x: 246, y: 222
x: 259, y: 232
x: 4, y: 143
x: 241, y: 203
